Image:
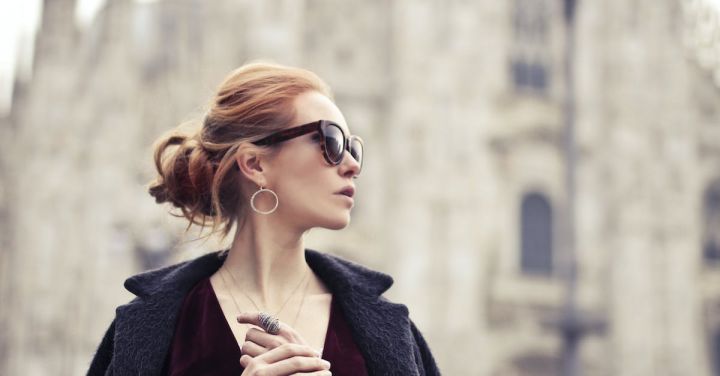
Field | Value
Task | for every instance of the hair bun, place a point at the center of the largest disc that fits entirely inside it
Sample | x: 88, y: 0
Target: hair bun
x: 159, y: 192
x: 184, y: 176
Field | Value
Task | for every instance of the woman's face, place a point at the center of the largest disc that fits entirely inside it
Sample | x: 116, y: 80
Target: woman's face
x: 308, y: 186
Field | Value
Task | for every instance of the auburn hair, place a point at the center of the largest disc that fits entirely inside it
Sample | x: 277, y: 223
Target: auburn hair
x: 196, y: 168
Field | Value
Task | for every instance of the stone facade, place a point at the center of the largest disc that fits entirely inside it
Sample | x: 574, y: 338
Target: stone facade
x: 461, y: 107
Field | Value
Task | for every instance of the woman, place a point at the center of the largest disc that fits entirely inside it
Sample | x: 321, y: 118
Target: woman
x: 275, y: 157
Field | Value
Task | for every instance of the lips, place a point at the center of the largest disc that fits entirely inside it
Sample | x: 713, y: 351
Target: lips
x: 347, y: 191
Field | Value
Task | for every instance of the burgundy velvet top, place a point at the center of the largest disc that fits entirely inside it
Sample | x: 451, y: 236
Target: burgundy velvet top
x: 204, y: 344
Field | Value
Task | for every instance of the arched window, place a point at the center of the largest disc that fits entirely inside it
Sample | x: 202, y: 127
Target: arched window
x: 711, y: 225
x: 536, y: 230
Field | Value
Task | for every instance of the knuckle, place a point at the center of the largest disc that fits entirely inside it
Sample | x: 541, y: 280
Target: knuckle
x: 296, y: 362
x: 295, y: 338
x: 276, y: 343
x: 288, y: 348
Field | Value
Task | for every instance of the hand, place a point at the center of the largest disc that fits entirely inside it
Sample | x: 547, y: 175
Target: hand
x: 285, y: 353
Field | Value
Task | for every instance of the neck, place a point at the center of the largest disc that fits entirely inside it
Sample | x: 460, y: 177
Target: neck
x: 266, y: 261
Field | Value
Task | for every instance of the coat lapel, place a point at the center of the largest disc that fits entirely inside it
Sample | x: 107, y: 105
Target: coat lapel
x: 380, y: 328
x: 145, y: 326
x: 142, y: 329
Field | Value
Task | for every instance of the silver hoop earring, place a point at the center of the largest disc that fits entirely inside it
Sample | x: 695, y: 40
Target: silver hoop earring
x: 252, y: 201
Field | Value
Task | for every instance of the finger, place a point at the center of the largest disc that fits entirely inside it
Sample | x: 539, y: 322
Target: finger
x: 268, y: 341
x: 252, y: 349
x: 249, y: 318
x: 316, y: 373
x: 298, y: 364
x: 285, y: 330
x: 288, y: 350
x: 245, y: 360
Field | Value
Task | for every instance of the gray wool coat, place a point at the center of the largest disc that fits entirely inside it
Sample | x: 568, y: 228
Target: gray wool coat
x: 138, y: 339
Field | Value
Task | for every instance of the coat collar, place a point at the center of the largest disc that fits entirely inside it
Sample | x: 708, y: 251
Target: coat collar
x: 342, y: 274
x: 145, y: 326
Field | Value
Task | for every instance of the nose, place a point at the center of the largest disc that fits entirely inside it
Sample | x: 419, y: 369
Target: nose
x: 349, y: 167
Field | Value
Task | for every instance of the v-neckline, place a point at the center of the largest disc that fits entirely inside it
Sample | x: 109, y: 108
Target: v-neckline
x: 228, y: 329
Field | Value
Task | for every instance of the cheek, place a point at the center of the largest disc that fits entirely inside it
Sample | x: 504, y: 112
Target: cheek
x: 304, y: 171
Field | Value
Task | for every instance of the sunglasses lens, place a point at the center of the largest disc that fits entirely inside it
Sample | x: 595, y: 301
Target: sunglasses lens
x: 334, y: 143
x: 356, y: 150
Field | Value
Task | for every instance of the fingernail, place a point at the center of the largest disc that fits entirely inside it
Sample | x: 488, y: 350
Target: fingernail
x: 326, y: 363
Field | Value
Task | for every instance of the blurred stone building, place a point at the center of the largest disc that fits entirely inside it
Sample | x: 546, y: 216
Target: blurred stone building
x: 462, y: 198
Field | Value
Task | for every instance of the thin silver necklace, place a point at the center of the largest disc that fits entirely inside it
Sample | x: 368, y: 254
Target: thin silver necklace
x: 237, y: 306
x: 297, y: 315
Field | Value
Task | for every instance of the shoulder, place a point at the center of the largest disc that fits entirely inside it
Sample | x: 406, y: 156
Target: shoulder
x: 180, y: 276
x: 347, y: 275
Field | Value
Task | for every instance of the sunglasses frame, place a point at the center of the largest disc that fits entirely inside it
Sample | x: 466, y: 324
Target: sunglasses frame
x: 315, y: 126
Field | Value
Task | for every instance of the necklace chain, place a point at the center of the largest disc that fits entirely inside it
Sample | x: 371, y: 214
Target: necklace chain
x: 237, y: 306
x: 301, y: 303
x: 231, y: 295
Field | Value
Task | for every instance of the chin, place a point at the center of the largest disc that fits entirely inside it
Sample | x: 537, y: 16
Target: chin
x: 337, y: 224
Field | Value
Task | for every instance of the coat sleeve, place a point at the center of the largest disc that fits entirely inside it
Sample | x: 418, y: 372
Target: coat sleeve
x: 426, y: 357
x: 100, y: 365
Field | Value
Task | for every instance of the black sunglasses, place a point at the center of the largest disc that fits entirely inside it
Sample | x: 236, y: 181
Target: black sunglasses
x: 334, y: 143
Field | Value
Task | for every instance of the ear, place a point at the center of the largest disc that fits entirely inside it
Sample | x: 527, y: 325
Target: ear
x: 252, y: 164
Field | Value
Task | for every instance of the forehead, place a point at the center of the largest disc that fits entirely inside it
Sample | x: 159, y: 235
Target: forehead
x: 312, y: 105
